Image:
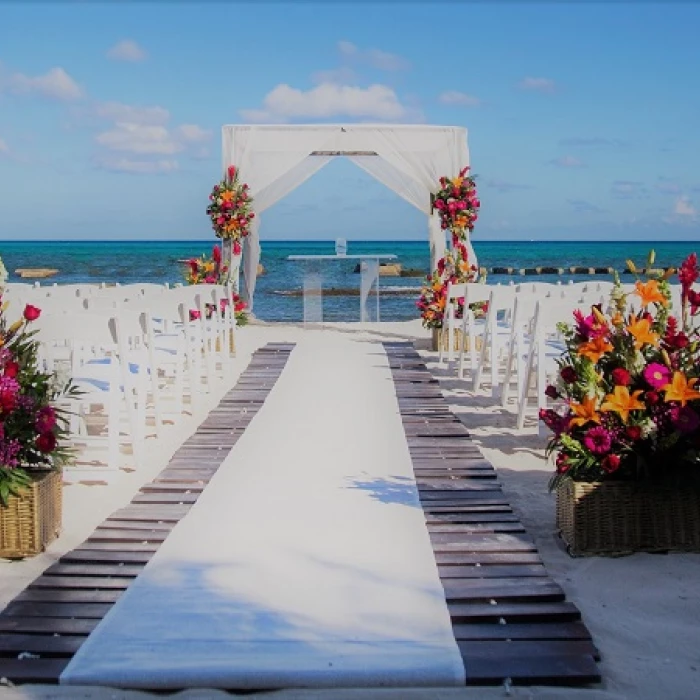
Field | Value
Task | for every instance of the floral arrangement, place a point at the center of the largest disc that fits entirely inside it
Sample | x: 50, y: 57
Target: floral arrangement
x: 457, y: 203
x: 32, y: 429
x: 628, y: 380
x: 230, y: 209
x: 204, y: 270
x: 454, y: 267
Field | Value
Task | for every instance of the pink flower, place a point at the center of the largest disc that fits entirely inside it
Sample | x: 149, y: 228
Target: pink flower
x: 237, y: 248
x: 194, y: 315
x: 598, y: 440
x: 657, y: 375
x: 688, y: 274
x: 231, y: 171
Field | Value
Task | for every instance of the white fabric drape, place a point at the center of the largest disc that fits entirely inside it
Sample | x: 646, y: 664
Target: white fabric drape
x: 409, y: 160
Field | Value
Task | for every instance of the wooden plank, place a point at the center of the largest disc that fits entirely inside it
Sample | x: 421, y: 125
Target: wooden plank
x: 128, y: 570
x: 491, y: 571
x: 521, y: 631
x: 513, y: 612
x: 93, y: 583
x: 74, y: 610
x: 532, y: 670
x: 487, y: 558
x: 128, y: 535
x: 48, y: 645
x: 106, y: 557
x: 503, y: 589
x: 46, y: 625
x: 32, y: 670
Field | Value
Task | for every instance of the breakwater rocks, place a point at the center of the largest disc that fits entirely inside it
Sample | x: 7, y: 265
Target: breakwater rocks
x: 531, y: 271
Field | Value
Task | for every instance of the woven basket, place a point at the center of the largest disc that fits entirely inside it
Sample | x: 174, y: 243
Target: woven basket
x: 616, y: 518
x: 457, y: 340
x: 31, y: 521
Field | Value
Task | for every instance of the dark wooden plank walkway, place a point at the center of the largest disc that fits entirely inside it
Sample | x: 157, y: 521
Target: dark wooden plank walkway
x: 44, y: 626
x: 510, y: 619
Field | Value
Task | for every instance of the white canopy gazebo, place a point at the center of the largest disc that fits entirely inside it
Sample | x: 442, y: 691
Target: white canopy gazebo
x: 276, y: 159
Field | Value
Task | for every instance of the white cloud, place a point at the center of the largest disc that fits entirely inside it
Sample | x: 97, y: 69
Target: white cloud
x: 284, y: 103
x: 454, y: 97
x: 143, y: 167
x: 545, y: 85
x: 567, y: 162
x: 139, y: 138
x: 683, y: 207
x: 56, y: 85
x: 376, y: 58
x: 627, y: 189
x: 127, y: 50
x: 118, y: 112
x: 191, y: 133
x: 145, y: 137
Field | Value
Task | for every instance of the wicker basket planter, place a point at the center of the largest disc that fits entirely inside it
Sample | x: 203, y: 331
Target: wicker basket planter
x: 30, y: 522
x: 615, y: 518
x: 457, y: 341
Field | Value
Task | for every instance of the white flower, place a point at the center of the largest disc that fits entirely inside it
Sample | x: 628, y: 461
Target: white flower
x: 648, y: 428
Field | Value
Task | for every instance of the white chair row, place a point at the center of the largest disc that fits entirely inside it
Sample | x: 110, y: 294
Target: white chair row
x: 130, y: 353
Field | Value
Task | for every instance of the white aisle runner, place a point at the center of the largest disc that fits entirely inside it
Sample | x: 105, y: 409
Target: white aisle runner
x: 305, y: 562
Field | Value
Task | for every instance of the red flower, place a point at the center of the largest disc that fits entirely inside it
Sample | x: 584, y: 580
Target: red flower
x: 611, y: 463
x: 31, y: 313
x: 237, y: 248
x: 568, y: 374
x: 46, y: 442
x: 232, y: 171
x: 688, y: 274
x: 551, y: 392
x: 194, y: 266
x: 621, y: 377
x: 11, y: 369
x: 216, y: 254
x: 633, y: 432
x: 194, y: 314
x: 652, y: 398
x: 45, y: 420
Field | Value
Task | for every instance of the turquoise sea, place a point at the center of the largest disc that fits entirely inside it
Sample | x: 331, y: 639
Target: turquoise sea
x: 275, y: 300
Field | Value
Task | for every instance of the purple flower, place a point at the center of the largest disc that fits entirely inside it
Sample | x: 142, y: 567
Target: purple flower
x: 598, y: 440
x: 657, y: 375
x: 684, y: 419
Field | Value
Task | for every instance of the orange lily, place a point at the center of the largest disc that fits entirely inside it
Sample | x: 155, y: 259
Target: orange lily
x: 621, y: 402
x: 457, y: 182
x: 640, y: 329
x: 681, y: 389
x: 584, y: 411
x: 227, y: 195
x: 595, y: 348
x: 650, y: 293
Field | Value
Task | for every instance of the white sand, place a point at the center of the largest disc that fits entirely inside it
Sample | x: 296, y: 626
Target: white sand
x: 643, y: 610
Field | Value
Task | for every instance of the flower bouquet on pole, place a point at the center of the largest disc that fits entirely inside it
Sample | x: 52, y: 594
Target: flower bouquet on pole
x: 230, y: 212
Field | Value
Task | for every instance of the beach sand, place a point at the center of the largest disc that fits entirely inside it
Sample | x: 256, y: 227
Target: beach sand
x: 643, y: 610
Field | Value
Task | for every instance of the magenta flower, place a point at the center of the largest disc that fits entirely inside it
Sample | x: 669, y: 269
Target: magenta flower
x: 684, y: 419
x: 657, y: 375
x: 598, y: 440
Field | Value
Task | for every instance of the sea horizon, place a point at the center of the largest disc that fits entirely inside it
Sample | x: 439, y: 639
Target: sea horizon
x: 278, y: 291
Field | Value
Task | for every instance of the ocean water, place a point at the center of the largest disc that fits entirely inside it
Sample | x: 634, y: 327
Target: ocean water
x: 277, y: 295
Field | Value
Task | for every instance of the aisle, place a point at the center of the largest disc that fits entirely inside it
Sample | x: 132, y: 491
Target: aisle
x: 305, y: 562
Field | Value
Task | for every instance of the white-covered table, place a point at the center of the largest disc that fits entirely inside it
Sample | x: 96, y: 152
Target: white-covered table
x: 313, y: 282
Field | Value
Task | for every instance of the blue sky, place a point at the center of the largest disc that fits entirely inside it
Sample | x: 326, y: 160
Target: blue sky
x: 582, y: 118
